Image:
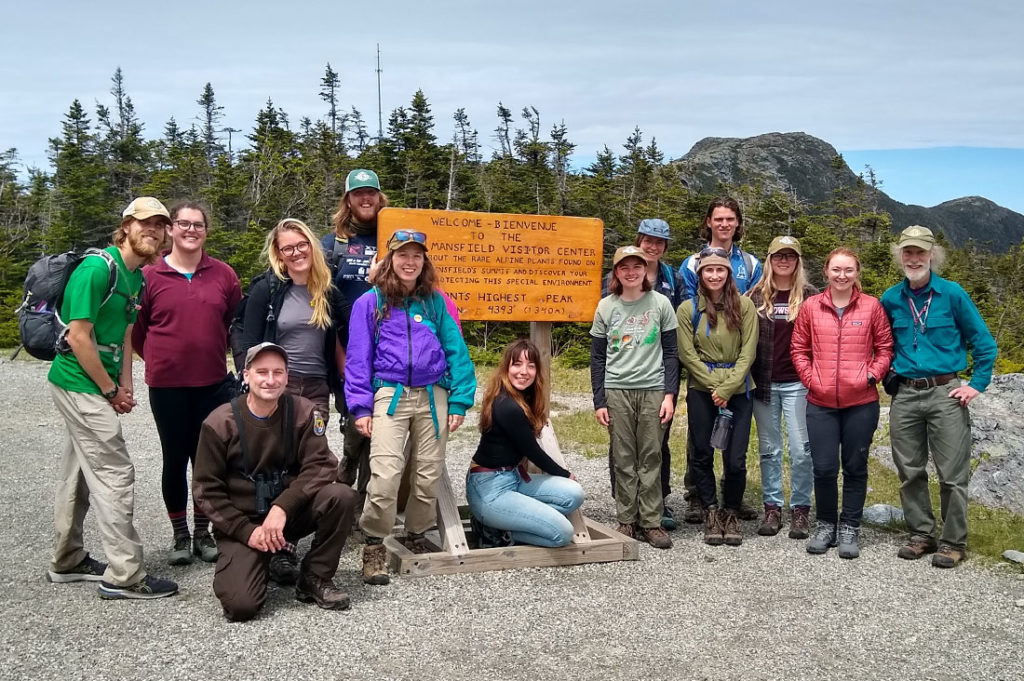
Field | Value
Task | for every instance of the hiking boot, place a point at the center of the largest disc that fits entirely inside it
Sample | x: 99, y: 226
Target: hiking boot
x: 312, y: 589
x: 747, y: 512
x: 772, y: 521
x: 800, y: 522
x: 284, y: 567
x: 657, y: 537
x: 823, y: 539
x: 948, y: 557
x: 917, y: 547
x: 713, y: 530
x: 89, y: 570
x: 205, y: 547
x: 487, y: 537
x: 668, y: 519
x: 626, y: 529
x: 732, y: 533
x: 416, y: 543
x: 694, y: 513
x: 375, y: 565
x: 150, y: 587
x: 181, y: 554
x: 849, y: 541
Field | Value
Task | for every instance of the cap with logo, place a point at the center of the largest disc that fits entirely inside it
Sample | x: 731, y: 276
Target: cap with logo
x: 256, y: 350
x: 654, y: 227
x: 627, y: 252
x: 361, y: 177
x: 781, y: 243
x: 145, y: 207
x: 713, y: 259
x: 916, y: 235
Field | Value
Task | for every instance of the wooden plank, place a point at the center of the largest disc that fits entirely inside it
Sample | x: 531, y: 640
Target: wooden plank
x: 549, y: 443
x: 449, y: 523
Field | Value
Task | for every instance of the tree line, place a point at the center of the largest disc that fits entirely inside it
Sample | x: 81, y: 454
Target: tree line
x: 278, y: 168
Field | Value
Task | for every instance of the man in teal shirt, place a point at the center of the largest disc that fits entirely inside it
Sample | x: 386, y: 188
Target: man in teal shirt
x: 91, y: 384
x: 934, y: 324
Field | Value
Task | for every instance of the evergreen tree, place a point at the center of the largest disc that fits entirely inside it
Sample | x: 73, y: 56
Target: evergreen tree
x: 209, y: 118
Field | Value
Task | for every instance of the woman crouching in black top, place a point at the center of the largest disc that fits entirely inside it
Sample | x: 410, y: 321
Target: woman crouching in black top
x: 524, y: 509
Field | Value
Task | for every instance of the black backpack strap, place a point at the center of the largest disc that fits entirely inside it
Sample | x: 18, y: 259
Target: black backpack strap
x: 240, y: 426
x: 337, y: 253
x: 289, y: 430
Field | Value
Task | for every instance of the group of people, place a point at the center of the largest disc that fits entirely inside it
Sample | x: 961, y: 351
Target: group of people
x: 761, y: 342
x: 331, y: 316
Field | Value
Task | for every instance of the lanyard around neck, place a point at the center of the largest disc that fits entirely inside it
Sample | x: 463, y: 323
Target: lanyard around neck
x: 920, y: 316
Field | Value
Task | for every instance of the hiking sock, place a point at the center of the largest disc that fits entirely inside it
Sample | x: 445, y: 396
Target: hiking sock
x: 200, y: 522
x: 179, y: 522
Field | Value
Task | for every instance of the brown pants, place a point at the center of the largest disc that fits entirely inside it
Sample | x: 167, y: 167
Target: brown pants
x: 240, y: 580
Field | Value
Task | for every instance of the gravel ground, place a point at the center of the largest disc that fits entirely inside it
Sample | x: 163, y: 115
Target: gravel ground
x: 765, y: 610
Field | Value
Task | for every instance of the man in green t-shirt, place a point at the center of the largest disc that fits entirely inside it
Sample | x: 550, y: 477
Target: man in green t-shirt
x: 91, y: 385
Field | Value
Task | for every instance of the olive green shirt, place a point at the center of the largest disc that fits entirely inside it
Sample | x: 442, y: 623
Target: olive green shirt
x: 717, y: 345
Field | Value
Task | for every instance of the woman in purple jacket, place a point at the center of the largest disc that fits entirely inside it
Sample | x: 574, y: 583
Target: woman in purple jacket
x: 407, y: 374
x: 182, y: 334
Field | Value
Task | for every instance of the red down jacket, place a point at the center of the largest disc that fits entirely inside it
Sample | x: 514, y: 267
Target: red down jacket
x: 834, y: 356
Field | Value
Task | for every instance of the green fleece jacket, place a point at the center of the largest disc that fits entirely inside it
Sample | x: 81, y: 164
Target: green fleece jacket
x: 718, y: 345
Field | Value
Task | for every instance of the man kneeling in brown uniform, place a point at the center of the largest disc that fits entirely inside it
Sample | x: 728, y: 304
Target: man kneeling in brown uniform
x: 266, y: 478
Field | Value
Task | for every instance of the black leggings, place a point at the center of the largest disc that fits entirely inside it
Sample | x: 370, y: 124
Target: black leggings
x: 179, y: 415
x: 701, y: 413
x: 841, y: 436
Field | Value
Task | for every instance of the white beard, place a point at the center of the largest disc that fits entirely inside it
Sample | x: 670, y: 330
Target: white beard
x: 917, y: 276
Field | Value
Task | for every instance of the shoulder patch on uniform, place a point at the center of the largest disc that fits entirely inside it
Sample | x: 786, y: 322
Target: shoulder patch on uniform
x: 319, y: 425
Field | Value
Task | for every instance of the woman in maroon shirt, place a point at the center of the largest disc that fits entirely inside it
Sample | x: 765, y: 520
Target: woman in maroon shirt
x: 182, y: 335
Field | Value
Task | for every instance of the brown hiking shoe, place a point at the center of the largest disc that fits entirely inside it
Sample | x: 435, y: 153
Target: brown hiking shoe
x: 746, y: 511
x: 772, y: 521
x: 375, y: 564
x: 657, y: 537
x: 713, y: 527
x: 948, y: 557
x: 627, y: 530
x: 800, y: 522
x: 731, y: 530
x: 917, y: 547
x: 694, y: 513
x: 312, y: 589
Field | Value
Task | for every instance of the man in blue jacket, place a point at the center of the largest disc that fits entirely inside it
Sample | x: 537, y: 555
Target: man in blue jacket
x: 934, y: 323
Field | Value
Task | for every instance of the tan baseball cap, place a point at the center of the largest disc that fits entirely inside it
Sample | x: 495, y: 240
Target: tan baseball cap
x: 145, y: 207
x: 628, y: 252
x: 916, y: 235
x: 781, y: 243
x: 256, y: 350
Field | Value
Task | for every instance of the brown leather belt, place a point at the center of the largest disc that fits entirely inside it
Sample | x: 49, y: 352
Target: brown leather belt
x: 927, y: 381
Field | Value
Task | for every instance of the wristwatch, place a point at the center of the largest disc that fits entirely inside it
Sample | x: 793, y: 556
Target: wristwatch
x: 112, y: 393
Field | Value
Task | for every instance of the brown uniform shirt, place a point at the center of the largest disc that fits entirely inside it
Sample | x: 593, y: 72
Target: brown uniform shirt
x: 219, y: 485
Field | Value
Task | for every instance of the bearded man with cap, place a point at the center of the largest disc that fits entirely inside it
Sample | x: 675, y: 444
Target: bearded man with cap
x: 91, y: 384
x: 265, y: 477
x: 934, y: 325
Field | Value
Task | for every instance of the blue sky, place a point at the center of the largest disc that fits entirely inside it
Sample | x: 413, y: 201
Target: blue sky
x: 929, y: 93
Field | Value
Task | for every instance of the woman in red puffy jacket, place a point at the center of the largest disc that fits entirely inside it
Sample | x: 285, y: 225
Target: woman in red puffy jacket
x: 841, y: 348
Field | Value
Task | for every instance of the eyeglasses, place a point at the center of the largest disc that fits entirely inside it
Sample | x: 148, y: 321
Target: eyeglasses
x: 720, y: 252
x: 404, y: 235
x: 790, y: 256
x: 185, y: 225
x: 291, y: 250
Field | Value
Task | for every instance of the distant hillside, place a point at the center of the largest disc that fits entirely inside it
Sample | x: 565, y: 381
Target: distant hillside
x: 807, y: 167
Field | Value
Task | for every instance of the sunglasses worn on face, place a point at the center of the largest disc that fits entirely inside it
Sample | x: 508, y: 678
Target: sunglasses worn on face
x: 404, y: 235
x: 289, y: 251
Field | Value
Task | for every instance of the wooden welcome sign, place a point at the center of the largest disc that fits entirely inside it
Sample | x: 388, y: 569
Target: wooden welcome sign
x: 508, y: 267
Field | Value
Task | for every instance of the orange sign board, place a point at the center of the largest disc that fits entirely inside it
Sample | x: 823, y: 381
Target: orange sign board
x: 508, y: 267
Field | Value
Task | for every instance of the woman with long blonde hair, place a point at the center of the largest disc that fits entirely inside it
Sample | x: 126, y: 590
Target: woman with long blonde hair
x: 779, y: 395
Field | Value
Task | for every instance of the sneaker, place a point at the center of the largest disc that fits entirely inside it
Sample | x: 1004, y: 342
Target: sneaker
x: 205, y: 547
x: 150, y: 587
x: 375, y: 564
x: 948, y: 557
x: 713, y: 535
x: 800, y: 522
x: 668, y: 519
x: 181, y: 553
x: 627, y: 530
x: 694, y: 513
x: 849, y: 544
x: 89, y: 570
x: 747, y: 512
x: 284, y: 568
x: 732, y: 533
x: 657, y: 537
x: 312, y: 589
x: 917, y: 547
x: 772, y: 521
x: 823, y: 539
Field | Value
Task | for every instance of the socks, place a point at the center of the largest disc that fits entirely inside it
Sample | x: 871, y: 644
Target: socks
x: 201, y: 522
x: 179, y: 522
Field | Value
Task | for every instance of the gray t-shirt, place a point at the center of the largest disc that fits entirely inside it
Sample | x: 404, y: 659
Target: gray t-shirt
x: 303, y: 343
x: 633, y: 331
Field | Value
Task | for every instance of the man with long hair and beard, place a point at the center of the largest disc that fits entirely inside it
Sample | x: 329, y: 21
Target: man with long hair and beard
x: 91, y: 384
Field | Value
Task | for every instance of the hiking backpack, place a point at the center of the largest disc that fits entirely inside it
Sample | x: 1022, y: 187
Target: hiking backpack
x: 42, y: 332
x: 235, y: 331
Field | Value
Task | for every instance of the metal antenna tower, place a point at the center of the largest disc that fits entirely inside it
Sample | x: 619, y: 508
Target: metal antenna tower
x: 380, y: 114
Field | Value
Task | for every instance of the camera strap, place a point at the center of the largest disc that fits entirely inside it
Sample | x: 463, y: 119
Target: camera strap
x: 287, y: 439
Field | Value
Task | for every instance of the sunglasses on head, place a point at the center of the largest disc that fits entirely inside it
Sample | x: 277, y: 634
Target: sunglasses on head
x: 720, y: 252
x: 405, y: 235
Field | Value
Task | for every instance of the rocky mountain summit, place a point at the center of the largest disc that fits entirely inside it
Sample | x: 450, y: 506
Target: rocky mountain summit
x: 813, y: 171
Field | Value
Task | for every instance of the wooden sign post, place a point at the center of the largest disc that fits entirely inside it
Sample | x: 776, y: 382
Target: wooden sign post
x: 508, y: 267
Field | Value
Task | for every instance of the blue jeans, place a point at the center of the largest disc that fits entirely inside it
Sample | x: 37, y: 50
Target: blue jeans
x: 789, y: 402
x: 534, y: 512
